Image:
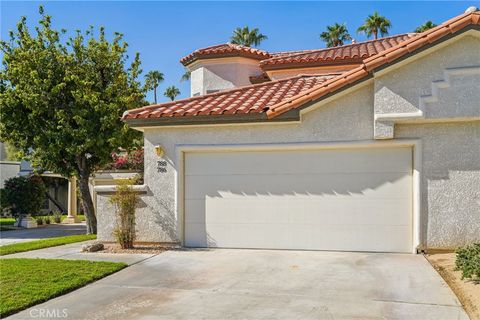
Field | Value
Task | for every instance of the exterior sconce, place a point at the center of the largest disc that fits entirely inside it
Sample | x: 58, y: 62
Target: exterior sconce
x: 159, y: 151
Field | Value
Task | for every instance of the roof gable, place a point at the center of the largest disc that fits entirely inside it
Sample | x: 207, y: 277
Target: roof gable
x: 392, y: 55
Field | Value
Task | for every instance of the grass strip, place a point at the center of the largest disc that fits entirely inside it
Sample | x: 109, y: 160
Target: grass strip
x: 44, y: 243
x: 27, y: 282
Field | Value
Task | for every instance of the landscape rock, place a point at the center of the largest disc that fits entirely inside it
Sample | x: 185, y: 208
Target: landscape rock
x: 92, y: 247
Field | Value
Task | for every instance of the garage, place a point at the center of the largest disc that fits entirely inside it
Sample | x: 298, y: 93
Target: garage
x: 338, y: 199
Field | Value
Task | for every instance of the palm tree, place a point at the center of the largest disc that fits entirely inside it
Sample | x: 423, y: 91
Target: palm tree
x: 336, y: 35
x: 152, y: 80
x: 375, y: 24
x: 186, y: 75
x: 424, y: 27
x: 247, y: 37
x: 171, y: 92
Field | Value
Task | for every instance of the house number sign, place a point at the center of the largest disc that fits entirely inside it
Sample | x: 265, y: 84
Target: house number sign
x: 162, y: 166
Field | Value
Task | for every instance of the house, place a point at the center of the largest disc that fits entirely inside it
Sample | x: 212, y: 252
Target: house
x: 8, y: 168
x: 372, y: 146
x: 61, y: 193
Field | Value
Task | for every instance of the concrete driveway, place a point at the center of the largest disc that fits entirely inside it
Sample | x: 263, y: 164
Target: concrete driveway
x: 262, y: 284
x: 43, y: 232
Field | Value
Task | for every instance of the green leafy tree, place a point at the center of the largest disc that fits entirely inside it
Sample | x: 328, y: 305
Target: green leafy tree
x: 24, y: 195
x: 424, y: 27
x: 186, y: 76
x: 9, y: 152
x: 61, y: 101
x: 171, y: 92
x: 336, y: 35
x: 152, y: 80
x: 247, y: 37
x: 375, y: 24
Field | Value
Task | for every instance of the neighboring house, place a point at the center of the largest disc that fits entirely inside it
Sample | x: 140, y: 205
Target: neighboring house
x: 8, y: 169
x: 58, y: 187
x: 372, y: 146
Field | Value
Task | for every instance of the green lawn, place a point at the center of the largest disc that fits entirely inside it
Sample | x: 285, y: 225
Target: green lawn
x: 80, y: 217
x: 7, y: 221
x: 27, y: 282
x: 39, y: 244
x: 11, y: 221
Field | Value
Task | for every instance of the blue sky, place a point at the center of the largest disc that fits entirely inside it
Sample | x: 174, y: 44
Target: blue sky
x: 163, y: 32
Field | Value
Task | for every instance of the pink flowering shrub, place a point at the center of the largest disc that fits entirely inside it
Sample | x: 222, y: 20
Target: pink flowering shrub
x: 128, y: 161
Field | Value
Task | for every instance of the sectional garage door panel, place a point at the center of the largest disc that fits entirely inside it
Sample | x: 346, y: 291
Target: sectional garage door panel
x: 358, y: 199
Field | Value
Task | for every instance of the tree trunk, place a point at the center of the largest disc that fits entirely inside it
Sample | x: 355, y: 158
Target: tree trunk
x: 375, y: 34
x: 87, y: 203
x: 155, y: 94
x: 55, y: 202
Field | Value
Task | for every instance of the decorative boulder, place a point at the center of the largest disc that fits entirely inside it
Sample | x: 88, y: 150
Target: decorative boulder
x: 26, y: 222
x: 92, y: 247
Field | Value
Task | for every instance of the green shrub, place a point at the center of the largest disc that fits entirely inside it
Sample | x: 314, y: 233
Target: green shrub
x: 3, y: 200
x: 125, y: 201
x: 57, y: 216
x: 24, y: 195
x: 47, y: 220
x: 468, y: 261
x: 39, y: 221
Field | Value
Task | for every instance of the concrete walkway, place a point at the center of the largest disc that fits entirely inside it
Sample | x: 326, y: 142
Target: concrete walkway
x: 263, y: 284
x: 43, y: 232
x: 73, y: 252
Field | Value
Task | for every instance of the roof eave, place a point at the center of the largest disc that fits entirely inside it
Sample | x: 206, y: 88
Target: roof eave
x: 294, y: 115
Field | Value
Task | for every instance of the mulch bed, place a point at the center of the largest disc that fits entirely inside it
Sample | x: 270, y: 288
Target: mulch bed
x: 467, y: 291
x: 138, y: 248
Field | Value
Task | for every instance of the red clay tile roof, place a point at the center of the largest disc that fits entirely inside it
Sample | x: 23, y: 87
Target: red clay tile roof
x: 277, y: 97
x: 225, y: 50
x: 383, y: 58
x: 356, y: 51
x: 249, y: 99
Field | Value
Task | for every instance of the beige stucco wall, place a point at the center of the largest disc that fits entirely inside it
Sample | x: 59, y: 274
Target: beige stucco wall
x: 450, y: 181
x: 439, y: 86
x: 450, y: 173
x: 445, y: 96
x: 221, y: 74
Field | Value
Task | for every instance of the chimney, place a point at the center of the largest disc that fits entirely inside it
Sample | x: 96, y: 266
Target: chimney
x: 471, y: 9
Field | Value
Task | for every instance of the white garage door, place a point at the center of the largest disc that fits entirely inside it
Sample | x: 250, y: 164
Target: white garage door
x: 347, y: 199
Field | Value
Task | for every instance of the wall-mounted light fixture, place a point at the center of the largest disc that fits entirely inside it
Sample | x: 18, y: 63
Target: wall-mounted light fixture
x: 159, y: 151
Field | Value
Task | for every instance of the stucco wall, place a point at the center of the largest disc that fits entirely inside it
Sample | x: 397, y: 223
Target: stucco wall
x: 401, y: 90
x: 8, y: 169
x: 218, y: 75
x: 450, y: 181
x: 437, y: 86
x: 346, y: 119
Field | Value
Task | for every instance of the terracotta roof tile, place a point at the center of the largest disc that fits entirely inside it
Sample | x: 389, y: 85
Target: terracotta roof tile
x: 356, y: 51
x: 249, y: 99
x: 225, y: 50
